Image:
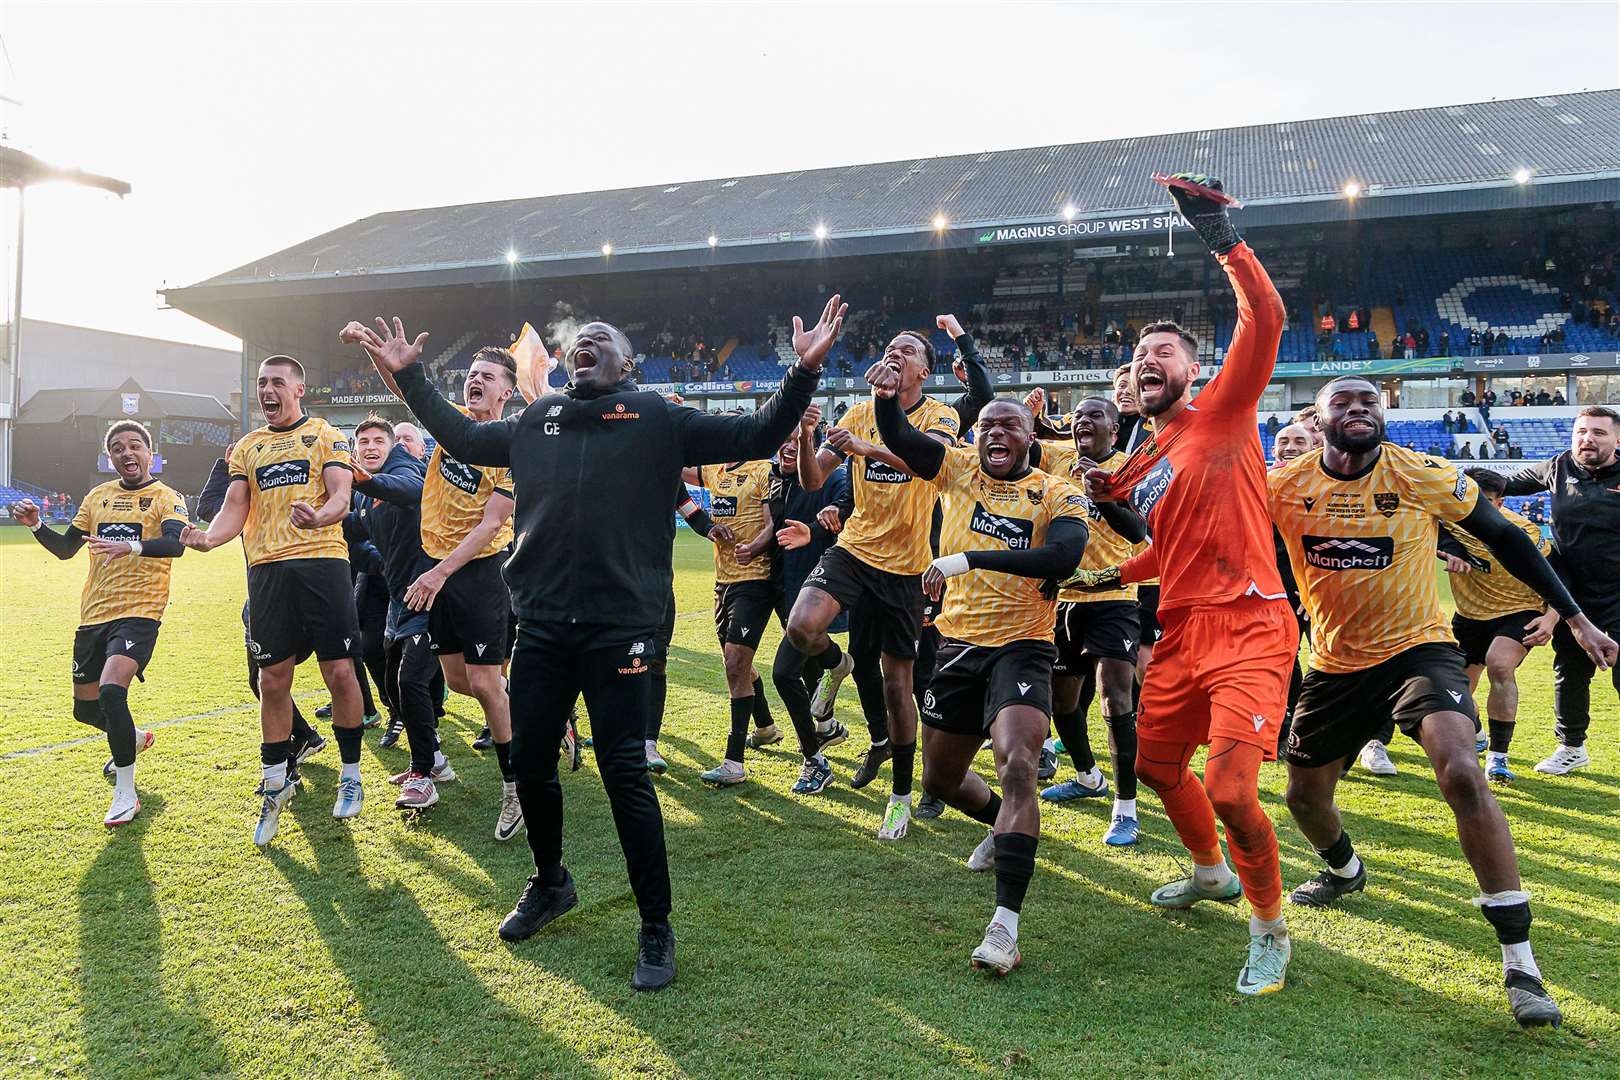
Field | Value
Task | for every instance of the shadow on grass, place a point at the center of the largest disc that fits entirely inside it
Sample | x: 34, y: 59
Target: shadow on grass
x: 130, y: 1026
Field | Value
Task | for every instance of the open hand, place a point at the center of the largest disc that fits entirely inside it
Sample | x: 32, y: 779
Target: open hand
x: 722, y: 534
x: 793, y: 535
x: 1454, y: 565
x: 391, y: 351
x: 830, y: 519
x: 421, y: 593
x: 1598, y: 645
x: 1540, y: 630
x: 108, y: 549
x: 811, y: 345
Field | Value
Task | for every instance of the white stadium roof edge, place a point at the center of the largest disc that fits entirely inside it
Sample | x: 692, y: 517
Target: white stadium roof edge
x: 1432, y: 160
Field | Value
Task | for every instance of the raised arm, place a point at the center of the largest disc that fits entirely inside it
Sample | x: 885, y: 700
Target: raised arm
x: 922, y: 455
x: 396, y: 358
x: 970, y: 369
x: 1252, y: 356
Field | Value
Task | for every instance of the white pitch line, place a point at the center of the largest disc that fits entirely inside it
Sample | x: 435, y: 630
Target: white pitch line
x: 70, y: 743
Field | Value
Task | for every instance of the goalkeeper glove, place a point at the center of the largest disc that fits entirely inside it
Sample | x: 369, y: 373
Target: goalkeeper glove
x: 1094, y: 580
x: 1208, y: 218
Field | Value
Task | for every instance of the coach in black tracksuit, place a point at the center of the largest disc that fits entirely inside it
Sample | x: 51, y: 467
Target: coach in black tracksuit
x: 593, y: 469
x: 1584, y: 485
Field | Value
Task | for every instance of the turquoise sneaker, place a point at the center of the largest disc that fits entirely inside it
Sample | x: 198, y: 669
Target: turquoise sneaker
x: 1076, y: 788
x: 1184, y: 893
x: 1267, y: 967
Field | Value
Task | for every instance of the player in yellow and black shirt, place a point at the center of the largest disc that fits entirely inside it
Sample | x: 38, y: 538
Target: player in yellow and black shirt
x: 1359, y: 519
x: 288, y: 495
x: 1499, y: 619
x: 1098, y: 632
x: 1009, y: 534
x: 746, y: 594
x: 876, y: 564
x: 133, y: 526
x: 467, y: 531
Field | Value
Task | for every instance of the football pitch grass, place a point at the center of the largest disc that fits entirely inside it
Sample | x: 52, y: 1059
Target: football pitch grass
x: 807, y: 948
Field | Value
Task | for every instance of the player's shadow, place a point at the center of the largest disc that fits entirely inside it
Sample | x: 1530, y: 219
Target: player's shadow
x: 126, y: 1016
x: 428, y: 1011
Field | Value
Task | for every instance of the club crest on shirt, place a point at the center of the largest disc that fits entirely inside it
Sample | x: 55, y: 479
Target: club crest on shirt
x: 146, y: 502
x: 1386, y: 502
x: 308, y: 440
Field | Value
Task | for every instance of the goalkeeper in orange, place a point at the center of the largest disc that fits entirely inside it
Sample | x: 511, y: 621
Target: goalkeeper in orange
x: 1219, y: 676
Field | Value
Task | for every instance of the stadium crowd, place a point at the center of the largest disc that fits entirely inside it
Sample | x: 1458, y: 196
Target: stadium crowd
x: 996, y: 569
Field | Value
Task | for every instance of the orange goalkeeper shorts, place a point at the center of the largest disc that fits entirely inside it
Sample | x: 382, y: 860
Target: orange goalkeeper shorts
x: 1220, y: 670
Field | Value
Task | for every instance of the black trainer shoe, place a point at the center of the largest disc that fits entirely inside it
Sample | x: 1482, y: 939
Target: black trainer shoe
x: 1048, y: 765
x: 655, y: 958
x: 538, y: 905
x: 324, y: 712
x: 485, y: 740
x: 396, y: 727
x: 1326, y: 888
x: 871, y: 761
x: 304, y: 749
x: 1532, y: 1005
x: 824, y: 739
x: 928, y: 808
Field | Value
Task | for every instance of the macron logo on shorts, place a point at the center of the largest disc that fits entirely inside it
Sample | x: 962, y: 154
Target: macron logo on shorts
x: 1023, y: 688
x: 480, y: 649
x: 1259, y: 721
x: 1455, y: 696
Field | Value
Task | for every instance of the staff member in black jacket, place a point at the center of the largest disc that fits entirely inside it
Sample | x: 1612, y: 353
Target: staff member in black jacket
x: 590, y: 572
x: 1584, y: 484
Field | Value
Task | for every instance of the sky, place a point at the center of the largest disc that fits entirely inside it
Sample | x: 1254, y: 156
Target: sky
x: 245, y: 128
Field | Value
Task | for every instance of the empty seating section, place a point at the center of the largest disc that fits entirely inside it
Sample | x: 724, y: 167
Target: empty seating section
x: 1539, y: 436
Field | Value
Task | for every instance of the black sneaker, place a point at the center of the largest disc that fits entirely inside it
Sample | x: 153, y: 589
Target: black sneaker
x: 304, y: 749
x: 1532, y: 1005
x: 1326, y: 888
x: 485, y: 740
x: 655, y: 957
x: 396, y: 726
x: 871, y: 761
x: 833, y: 737
x: 537, y: 906
x: 324, y: 712
x: 1048, y: 765
x: 928, y: 808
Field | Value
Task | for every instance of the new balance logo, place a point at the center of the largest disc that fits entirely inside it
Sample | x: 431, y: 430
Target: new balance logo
x: 480, y: 648
x: 638, y: 648
x: 555, y: 410
x: 1023, y: 688
x: 1455, y: 696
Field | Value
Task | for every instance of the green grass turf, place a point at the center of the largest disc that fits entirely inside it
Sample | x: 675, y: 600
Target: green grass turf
x: 172, y: 947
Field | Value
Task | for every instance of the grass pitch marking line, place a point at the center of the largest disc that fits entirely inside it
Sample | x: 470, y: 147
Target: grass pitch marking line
x: 71, y: 743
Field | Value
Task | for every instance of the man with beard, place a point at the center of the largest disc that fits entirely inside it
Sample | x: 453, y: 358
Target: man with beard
x: 594, y: 469
x: 1360, y: 517
x: 1584, y: 484
x: 288, y: 495
x: 1008, y: 532
x: 1219, y: 676
x: 1098, y: 632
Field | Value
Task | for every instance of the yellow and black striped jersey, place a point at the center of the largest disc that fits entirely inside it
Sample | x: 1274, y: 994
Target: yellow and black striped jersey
x: 1488, y: 591
x: 453, y: 500
x: 893, y: 510
x: 1363, y: 551
x: 737, y: 498
x: 282, y: 466
x: 131, y: 587
x: 1106, y: 547
x: 981, y: 513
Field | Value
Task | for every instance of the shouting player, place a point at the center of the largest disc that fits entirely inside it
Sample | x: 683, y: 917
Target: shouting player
x: 1098, y: 632
x: 1008, y: 532
x: 1219, y: 676
x: 1359, y: 517
x: 746, y: 595
x: 1499, y: 620
x: 875, y: 567
x: 290, y: 483
x: 132, y: 526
